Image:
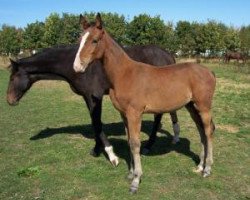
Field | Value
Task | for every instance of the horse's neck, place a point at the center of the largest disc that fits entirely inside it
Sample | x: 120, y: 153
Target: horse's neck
x: 44, y: 69
x: 116, y: 62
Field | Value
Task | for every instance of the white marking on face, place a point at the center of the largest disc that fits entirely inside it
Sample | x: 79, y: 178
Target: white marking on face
x: 77, y: 63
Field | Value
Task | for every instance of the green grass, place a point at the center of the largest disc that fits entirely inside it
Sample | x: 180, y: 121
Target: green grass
x: 45, y: 143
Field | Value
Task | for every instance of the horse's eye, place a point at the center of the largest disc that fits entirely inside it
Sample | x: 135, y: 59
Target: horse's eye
x: 94, y: 41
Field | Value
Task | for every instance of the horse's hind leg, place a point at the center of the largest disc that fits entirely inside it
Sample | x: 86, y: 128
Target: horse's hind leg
x: 152, y: 137
x: 209, y: 129
x: 176, y: 127
x: 204, y: 123
x: 198, y: 122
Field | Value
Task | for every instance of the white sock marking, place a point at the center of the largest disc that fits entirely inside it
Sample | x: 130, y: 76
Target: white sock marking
x: 112, y: 157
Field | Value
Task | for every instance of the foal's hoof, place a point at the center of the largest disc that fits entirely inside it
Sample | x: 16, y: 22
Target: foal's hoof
x: 94, y: 153
x: 206, y: 172
x: 145, y: 151
x: 133, y: 190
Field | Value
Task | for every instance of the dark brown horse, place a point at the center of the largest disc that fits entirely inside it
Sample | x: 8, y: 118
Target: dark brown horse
x: 56, y: 63
x: 234, y: 56
x: 138, y: 88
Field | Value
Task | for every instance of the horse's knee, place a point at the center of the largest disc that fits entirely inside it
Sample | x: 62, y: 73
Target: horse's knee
x: 135, y: 145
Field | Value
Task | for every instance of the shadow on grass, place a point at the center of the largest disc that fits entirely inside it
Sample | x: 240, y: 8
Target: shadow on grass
x: 163, y: 145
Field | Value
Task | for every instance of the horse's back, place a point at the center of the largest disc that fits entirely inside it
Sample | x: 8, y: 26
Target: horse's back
x: 150, y: 54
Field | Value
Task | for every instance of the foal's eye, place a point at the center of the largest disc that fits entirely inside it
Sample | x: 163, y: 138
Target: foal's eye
x: 94, y: 41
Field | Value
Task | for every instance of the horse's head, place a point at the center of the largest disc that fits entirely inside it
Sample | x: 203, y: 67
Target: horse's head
x: 19, y: 83
x: 92, y: 45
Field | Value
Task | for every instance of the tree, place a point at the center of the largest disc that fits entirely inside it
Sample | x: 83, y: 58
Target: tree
x: 33, y: 35
x: 10, y: 39
x: 52, y: 30
x: 170, y: 39
x: 70, y: 29
x: 232, y: 39
x: 244, y: 35
x: 185, y: 37
x: 144, y: 29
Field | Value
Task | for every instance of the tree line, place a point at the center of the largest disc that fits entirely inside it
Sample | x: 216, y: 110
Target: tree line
x: 184, y: 37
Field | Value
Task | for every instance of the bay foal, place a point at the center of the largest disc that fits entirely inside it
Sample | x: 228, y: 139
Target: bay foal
x: 138, y: 88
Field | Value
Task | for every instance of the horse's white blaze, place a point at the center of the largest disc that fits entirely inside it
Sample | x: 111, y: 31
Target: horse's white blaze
x: 77, y: 63
x: 112, y: 157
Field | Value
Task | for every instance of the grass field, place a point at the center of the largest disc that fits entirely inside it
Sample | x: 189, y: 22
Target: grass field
x: 45, y: 143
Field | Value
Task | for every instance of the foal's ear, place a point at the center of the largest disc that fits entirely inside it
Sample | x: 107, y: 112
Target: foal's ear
x: 14, y: 65
x: 98, y: 21
x: 84, y: 22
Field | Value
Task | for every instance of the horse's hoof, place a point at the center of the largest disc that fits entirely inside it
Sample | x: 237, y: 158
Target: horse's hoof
x: 206, y: 172
x: 115, y: 161
x: 199, y: 169
x: 94, y: 153
x: 145, y: 151
x: 133, y: 190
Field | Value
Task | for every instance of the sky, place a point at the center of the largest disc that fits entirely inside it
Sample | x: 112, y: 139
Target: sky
x: 231, y: 12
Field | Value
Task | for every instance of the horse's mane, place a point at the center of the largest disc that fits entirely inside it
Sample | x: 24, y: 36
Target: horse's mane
x: 47, y: 52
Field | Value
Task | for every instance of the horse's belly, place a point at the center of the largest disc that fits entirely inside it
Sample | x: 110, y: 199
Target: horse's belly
x: 166, y: 103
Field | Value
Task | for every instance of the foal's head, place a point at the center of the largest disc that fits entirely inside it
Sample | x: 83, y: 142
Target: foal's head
x: 92, y: 44
x: 19, y: 83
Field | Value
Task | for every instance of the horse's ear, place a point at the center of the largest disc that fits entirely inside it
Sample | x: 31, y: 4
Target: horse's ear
x: 84, y: 22
x: 14, y: 65
x: 98, y: 21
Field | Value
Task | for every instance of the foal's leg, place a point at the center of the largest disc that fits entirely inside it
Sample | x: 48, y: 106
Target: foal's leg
x: 176, y: 127
x: 152, y: 137
x: 198, y: 122
x: 209, y: 129
x: 131, y: 165
x: 134, y: 126
x: 95, y: 109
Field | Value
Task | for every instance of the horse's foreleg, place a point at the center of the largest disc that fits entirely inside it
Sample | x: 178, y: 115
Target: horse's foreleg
x: 134, y: 126
x: 131, y: 164
x: 152, y: 137
x: 95, y: 108
x: 176, y: 127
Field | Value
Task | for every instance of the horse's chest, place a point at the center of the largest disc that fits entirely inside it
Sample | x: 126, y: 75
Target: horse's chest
x: 119, y: 100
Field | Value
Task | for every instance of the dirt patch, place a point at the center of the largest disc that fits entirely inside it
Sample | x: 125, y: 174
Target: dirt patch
x: 228, y: 128
x: 226, y: 83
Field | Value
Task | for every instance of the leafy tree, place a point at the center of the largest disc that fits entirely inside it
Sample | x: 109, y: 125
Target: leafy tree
x: 52, y: 30
x: 144, y: 29
x: 232, y: 39
x: 10, y: 39
x: 170, y: 41
x: 33, y: 35
x: 70, y: 29
x: 244, y: 35
x: 185, y: 37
